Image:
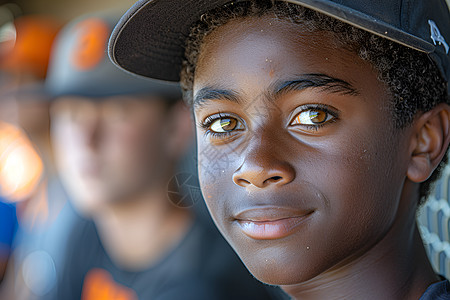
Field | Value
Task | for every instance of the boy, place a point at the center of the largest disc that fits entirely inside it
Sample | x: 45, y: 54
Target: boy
x: 333, y: 119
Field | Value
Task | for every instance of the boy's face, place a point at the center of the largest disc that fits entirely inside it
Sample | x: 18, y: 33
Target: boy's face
x: 111, y: 150
x: 299, y: 162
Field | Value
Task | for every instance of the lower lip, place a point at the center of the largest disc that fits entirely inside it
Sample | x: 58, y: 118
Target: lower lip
x: 271, y: 230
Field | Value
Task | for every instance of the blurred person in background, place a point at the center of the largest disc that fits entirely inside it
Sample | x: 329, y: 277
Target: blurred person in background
x: 27, y: 174
x: 118, y: 140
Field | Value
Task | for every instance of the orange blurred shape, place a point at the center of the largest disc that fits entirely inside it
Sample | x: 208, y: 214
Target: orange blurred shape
x: 89, y: 49
x: 99, y: 285
x: 21, y: 167
x: 31, y: 52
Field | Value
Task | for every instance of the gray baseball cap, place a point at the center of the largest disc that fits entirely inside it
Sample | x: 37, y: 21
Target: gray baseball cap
x: 149, y: 39
x: 80, y: 65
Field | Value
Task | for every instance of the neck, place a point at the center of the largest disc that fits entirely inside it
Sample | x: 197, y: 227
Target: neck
x: 137, y: 233
x: 396, y: 267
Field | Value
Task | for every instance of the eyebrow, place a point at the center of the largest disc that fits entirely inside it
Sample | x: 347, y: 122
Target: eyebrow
x: 208, y: 93
x: 325, y: 82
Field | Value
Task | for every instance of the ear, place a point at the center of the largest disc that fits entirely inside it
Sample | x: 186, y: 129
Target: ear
x: 181, y: 131
x: 430, y: 142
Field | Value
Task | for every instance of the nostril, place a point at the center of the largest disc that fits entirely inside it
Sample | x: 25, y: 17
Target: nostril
x: 242, y: 182
x: 273, y: 179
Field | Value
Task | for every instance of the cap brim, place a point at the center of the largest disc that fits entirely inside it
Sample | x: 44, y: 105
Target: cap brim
x: 149, y: 39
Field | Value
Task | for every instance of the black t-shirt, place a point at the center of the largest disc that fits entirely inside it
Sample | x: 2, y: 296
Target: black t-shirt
x: 202, y: 266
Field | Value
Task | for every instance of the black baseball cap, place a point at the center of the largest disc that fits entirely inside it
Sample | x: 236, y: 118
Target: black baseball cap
x: 149, y: 39
x: 79, y: 64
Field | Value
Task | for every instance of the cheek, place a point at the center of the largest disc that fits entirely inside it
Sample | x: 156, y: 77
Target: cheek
x: 213, y: 161
x: 215, y: 166
x: 128, y: 140
x: 362, y: 178
x: 136, y: 152
x: 67, y: 143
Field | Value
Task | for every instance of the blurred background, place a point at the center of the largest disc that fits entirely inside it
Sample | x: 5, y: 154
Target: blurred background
x: 65, y: 10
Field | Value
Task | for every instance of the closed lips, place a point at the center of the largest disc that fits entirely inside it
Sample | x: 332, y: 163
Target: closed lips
x: 271, y: 223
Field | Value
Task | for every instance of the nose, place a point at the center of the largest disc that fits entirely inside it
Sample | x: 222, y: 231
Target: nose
x: 89, y: 126
x: 92, y: 135
x: 252, y: 174
x: 264, y: 166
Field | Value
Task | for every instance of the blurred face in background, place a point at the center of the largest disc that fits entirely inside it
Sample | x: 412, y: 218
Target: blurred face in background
x: 110, y: 150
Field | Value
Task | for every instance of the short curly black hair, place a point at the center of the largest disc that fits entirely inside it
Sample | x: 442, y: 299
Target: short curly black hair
x: 411, y: 77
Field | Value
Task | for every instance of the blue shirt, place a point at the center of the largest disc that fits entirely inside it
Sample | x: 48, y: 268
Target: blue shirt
x: 8, y: 224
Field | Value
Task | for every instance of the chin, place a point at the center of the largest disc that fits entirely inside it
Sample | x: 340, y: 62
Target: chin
x: 88, y: 206
x: 278, y: 265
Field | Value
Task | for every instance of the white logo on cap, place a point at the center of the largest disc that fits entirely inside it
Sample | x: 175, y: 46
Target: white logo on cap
x: 436, y: 35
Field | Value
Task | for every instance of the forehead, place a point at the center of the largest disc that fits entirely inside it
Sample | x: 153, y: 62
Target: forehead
x: 266, y: 48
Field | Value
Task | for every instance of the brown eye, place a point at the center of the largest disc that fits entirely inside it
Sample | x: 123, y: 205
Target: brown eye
x: 312, y: 117
x: 225, y: 125
x: 317, y: 117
